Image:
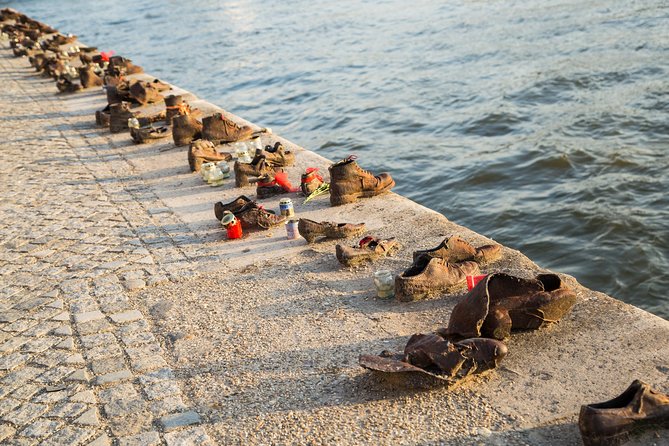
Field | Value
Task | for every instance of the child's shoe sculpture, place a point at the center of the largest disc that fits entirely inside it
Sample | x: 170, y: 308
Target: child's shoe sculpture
x: 348, y: 182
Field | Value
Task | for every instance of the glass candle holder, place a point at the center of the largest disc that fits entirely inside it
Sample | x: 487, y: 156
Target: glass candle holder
x: 384, y: 283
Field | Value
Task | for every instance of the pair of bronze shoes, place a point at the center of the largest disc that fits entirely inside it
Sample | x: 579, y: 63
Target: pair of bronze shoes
x: 442, y: 268
x: 249, y: 213
x: 430, y: 359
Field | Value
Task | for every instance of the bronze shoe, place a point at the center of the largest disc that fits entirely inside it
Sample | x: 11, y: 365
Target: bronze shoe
x: 613, y: 422
x: 257, y: 168
x: 455, y: 249
x: 234, y: 206
x: 148, y: 92
x: 500, y: 303
x: 219, y: 129
x: 89, y: 77
x: 430, y: 275
x: 148, y: 133
x: 119, y: 114
x: 253, y: 216
x: 202, y: 151
x: 369, y: 249
x: 436, y: 359
x: 311, y: 230
x: 277, y: 156
x: 348, y: 182
x: 185, y: 129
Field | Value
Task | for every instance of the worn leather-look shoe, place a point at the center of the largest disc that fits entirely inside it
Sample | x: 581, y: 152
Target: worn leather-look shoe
x: 253, y: 216
x: 455, y: 249
x: 311, y: 230
x: 348, y: 182
x: 256, y: 169
x: 185, y: 129
x: 148, y: 133
x: 369, y: 249
x: 88, y: 77
x: 234, y: 206
x: 612, y: 422
x: 219, y: 129
x: 431, y: 275
x: 438, y: 358
x: 500, y: 303
x: 277, y: 155
x: 202, y: 151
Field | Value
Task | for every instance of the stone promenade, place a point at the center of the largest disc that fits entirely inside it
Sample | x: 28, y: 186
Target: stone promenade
x: 79, y: 231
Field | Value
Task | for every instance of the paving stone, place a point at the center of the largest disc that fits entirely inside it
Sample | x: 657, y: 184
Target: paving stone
x: 51, y: 397
x: 13, y: 343
x: 88, y: 316
x: 187, y: 437
x: 66, y: 344
x: 29, y: 304
x: 89, y: 418
x: 75, y: 359
x: 98, y: 339
x: 107, y: 365
x: 51, y: 358
x: 10, y: 316
x: 44, y: 327
x: 80, y: 375
x: 40, y: 428
x: 64, y: 316
x: 134, y: 284
x: 103, y: 351
x: 21, y: 325
x: 39, y: 345
x: 177, y: 420
x: 27, y: 391
x: 63, y: 330
x: 54, y: 375
x: 147, y: 363
x: 13, y: 360
x: 9, y: 404
x: 85, y: 396
x: 6, y: 431
x: 138, y: 338
x: 91, y: 327
x: 161, y: 389
x: 167, y: 405
x: 102, y: 440
x: 25, y: 414
x: 143, y: 439
x: 69, y: 435
x: 67, y: 410
x: 109, y: 378
x: 126, y: 316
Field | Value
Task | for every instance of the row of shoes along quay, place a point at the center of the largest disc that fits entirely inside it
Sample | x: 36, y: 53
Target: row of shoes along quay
x: 128, y: 317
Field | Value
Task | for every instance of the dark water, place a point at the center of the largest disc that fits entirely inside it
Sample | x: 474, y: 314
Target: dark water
x: 543, y: 125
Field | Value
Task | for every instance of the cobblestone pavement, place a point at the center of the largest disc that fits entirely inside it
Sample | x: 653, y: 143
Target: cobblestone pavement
x: 79, y: 232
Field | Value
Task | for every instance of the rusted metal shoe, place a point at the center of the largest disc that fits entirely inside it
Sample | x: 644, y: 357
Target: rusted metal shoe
x: 89, y: 78
x: 429, y: 359
x: 312, y: 230
x: 267, y: 186
x: 428, y: 276
x: 219, y: 129
x: 148, y: 133
x: 121, y: 65
x: 65, y: 85
x: 369, y: 249
x: 253, y: 216
x: 103, y: 117
x: 202, y: 151
x: 277, y: 155
x: 148, y: 92
x: 185, y: 129
x: 455, y: 249
x: 119, y: 114
x: 257, y: 168
x: 348, y: 182
x: 234, y: 206
x: 501, y: 303
x: 613, y: 422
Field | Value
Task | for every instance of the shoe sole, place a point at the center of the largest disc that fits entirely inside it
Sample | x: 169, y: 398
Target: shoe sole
x: 338, y: 200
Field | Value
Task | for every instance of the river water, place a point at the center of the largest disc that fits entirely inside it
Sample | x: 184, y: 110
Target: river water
x: 543, y: 125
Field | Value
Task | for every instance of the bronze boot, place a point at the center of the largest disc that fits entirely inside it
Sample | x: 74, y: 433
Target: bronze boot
x: 89, y: 78
x: 348, y: 182
x: 277, y: 156
x: 185, y: 129
x: 218, y: 129
x: 612, y: 422
x: 175, y: 106
x: 119, y: 114
x: 202, y: 151
x: 257, y: 168
x: 429, y: 276
x: 234, y: 206
x: 500, y: 303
